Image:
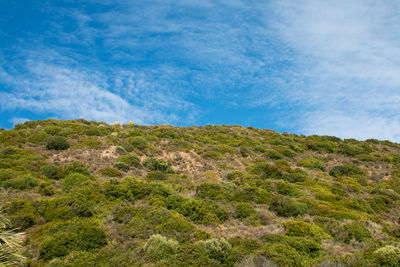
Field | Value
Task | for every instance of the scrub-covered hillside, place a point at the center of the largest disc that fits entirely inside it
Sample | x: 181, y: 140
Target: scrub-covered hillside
x: 87, y: 193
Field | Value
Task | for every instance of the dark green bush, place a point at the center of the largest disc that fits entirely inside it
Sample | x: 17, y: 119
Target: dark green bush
x: 57, y: 143
x: 287, y: 207
x: 139, y: 142
x: 131, y: 160
x: 312, y: 163
x: 244, y: 210
x: 158, y: 165
x: 215, y: 191
x: 156, y: 175
x: 122, y: 166
x: 252, y: 193
x: 357, y: 232
x: 74, y: 180
x: 21, y: 182
x: 77, y: 167
x: 72, y: 237
x: 110, y: 172
x: 50, y: 171
x: 345, y: 170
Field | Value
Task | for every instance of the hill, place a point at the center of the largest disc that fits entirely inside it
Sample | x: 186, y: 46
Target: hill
x: 91, y: 194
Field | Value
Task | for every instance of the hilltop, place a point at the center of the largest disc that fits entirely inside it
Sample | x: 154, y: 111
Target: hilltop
x: 91, y: 194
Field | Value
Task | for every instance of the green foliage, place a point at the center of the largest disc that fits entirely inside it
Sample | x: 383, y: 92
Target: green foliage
x: 11, y: 250
x: 211, y: 154
x: 71, y: 236
x: 244, y: 210
x: 357, y: 232
x: 288, y: 189
x: 216, y: 248
x: 312, y: 163
x: 156, y: 175
x: 215, y: 191
x: 159, y: 247
x: 138, y: 142
x: 73, y: 167
x: 131, y: 160
x: 57, y: 143
x: 21, y: 182
x: 304, y: 229
x: 158, y: 165
x: 284, y: 255
x: 50, y: 171
x: 345, y: 170
x: 387, y: 256
x: 122, y: 166
x: 287, y: 207
x: 110, y: 172
x: 74, y: 180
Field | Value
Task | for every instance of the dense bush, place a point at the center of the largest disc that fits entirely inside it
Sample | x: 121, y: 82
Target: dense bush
x: 244, y: 210
x: 387, y: 256
x: 139, y: 142
x: 159, y: 247
x: 304, y: 229
x: 74, y: 180
x: 71, y: 237
x: 218, y: 249
x: 346, y: 169
x: 357, y: 232
x: 110, y: 172
x: 131, y: 160
x: 312, y: 163
x: 21, y: 182
x: 287, y: 207
x: 158, y: 165
x: 122, y: 166
x: 50, y: 171
x: 57, y: 143
x: 156, y: 175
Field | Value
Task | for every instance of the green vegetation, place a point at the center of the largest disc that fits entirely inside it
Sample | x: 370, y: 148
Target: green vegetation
x: 86, y: 193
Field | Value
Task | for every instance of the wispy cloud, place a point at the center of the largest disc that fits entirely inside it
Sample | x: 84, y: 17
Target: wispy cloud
x: 347, y: 57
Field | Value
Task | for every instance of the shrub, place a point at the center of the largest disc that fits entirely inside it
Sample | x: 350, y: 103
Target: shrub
x: 159, y: 247
x: 211, y: 154
x: 216, y: 248
x: 57, y: 143
x: 70, y: 237
x: 72, y: 167
x: 244, y: 210
x: 50, y: 171
x: 156, y: 175
x: 252, y: 193
x: 346, y: 169
x: 273, y: 154
x: 122, y: 166
x: 284, y: 255
x: 74, y: 180
x: 287, y: 189
x: 139, y: 142
x: 234, y: 175
x: 21, y: 182
x: 214, y: 191
x: 158, y: 165
x: 120, y: 150
x: 387, y: 256
x: 286, y: 207
x: 304, y: 229
x: 131, y: 160
x: 311, y: 163
x: 357, y: 232
x: 110, y: 172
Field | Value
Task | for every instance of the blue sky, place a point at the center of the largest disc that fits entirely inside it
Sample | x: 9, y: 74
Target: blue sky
x: 306, y: 66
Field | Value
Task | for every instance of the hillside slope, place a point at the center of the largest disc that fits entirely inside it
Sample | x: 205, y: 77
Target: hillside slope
x: 93, y: 194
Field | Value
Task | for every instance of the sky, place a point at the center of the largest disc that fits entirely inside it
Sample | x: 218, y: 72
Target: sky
x: 327, y: 67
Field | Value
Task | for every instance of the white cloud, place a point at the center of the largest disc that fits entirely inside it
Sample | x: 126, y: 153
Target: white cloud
x: 347, y: 56
x: 72, y: 92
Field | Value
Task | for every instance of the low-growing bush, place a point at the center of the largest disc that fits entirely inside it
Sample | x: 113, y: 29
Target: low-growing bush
x: 387, y: 256
x: 244, y: 210
x: 211, y: 154
x: 287, y: 207
x: 216, y: 248
x: 159, y: 247
x: 122, y: 166
x: 74, y: 180
x: 57, y: 143
x: 312, y: 163
x: 156, y: 175
x: 357, y: 232
x: 131, y: 160
x: 70, y: 237
x: 21, y: 182
x: 154, y: 164
x: 346, y: 170
x: 139, y: 142
x: 50, y: 171
x: 110, y: 172
x: 304, y: 229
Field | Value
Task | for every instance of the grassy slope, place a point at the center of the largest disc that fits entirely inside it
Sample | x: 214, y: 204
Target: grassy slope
x: 217, y: 195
